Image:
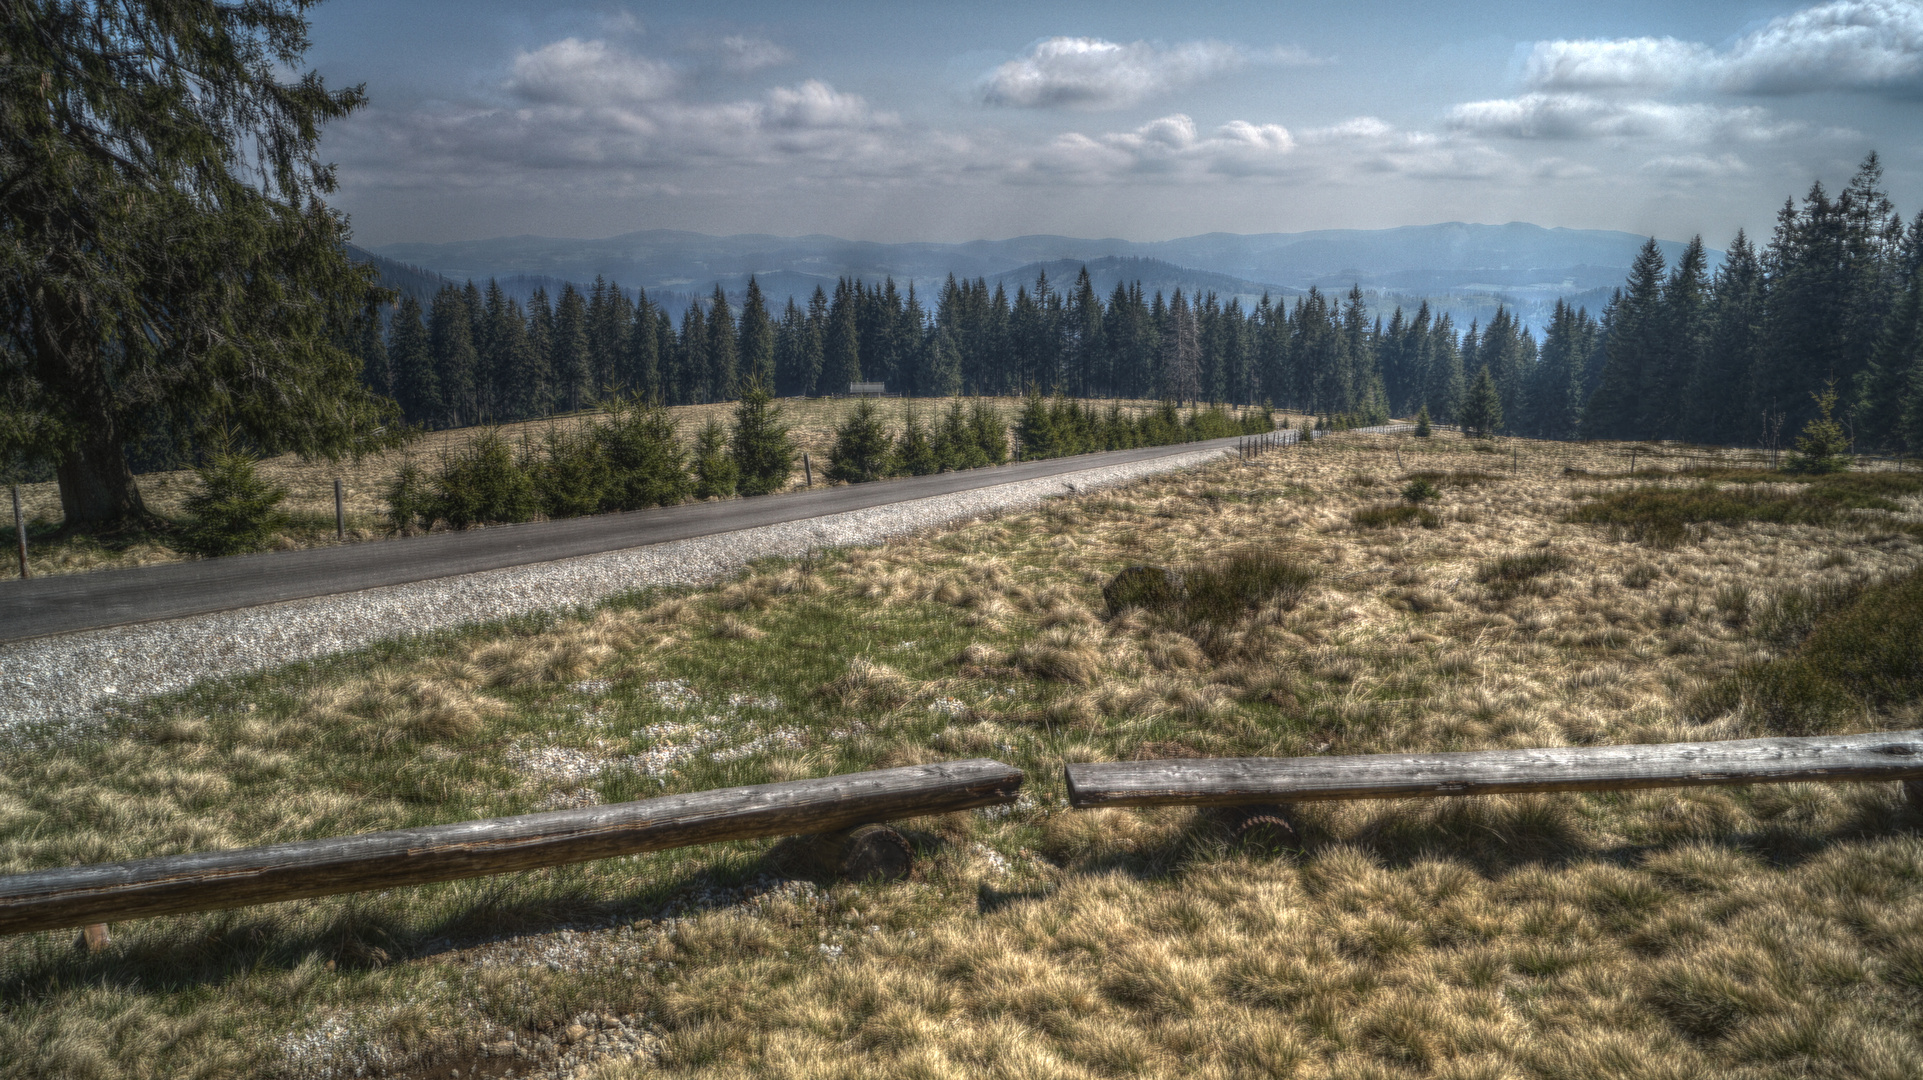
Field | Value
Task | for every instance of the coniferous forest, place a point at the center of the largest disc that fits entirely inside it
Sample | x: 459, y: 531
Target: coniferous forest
x: 1730, y: 356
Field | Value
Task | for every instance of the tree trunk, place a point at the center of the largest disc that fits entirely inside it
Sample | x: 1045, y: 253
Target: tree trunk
x: 96, y: 484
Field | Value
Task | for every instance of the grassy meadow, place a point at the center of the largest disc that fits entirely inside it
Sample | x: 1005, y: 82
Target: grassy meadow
x: 1535, y: 595
x: 310, y: 485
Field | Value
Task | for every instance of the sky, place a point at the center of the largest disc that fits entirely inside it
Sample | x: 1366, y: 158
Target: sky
x: 1142, y: 121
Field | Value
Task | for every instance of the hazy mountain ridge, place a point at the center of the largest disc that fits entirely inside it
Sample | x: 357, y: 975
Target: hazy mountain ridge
x: 1424, y: 256
x: 1457, y: 266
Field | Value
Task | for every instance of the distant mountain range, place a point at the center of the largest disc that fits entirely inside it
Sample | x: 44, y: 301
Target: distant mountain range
x: 1462, y: 268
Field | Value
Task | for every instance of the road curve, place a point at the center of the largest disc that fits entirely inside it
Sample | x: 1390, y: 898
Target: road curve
x: 71, y: 603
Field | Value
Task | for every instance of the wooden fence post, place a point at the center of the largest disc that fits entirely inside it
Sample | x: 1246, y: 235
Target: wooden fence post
x: 807, y: 471
x: 20, y: 531
x: 340, y: 513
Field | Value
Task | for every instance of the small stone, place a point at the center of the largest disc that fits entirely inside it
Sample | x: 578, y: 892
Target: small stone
x: 576, y: 1032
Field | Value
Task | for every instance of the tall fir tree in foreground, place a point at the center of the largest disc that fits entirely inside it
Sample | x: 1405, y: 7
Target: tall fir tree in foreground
x: 169, y: 264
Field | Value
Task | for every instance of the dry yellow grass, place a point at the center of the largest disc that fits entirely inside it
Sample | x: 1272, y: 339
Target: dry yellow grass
x: 1763, y: 932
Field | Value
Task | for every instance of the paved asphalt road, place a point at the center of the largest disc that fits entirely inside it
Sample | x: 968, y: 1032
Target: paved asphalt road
x: 66, y: 603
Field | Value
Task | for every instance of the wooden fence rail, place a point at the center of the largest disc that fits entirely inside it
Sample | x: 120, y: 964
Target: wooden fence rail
x: 172, y: 884
x: 1889, y: 755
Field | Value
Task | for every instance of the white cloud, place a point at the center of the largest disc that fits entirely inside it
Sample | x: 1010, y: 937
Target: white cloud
x: 1865, y: 45
x: 1175, y: 149
x: 742, y: 55
x: 1695, y: 166
x: 1623, y: 63
x: 1584, y: 116
x: 1090, y: 73
x: 1848, y: 45
x: 580, y: 72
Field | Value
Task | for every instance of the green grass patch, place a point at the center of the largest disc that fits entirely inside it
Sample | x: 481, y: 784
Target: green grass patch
x: 1663, y: 516
x: 1221, y: 593
x: 1862, y: 659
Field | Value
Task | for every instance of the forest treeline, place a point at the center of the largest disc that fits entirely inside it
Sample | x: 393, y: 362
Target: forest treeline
x: 1732, y: 356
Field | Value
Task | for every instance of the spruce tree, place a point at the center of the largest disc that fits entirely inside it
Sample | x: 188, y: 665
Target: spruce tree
x: 862, y: 450
x: 235, y: 510
x: 1181, y: 353
x: 1910, y: 430
x: 1481, y: 407
x: 756, y: 338
x: 715, y: 474
x: 989, y: 431
x: 485, y: 484
x: 1035, y: 428
x: 763, y: 453
x: 944, y: 366
x: 915, y: 453
x: 534, y: 380
x: 841, y: 360
x: 411, y: 353
x: 451, y: 331
x: 643, y: 377
x: 722, y: 353
x: 693, y: 378
x: 1619, y: 410
x: 954, y: 441
x: 1423, y: 430
x: 1721, y: 392
x: 646, y: 464
x: 1822, y: 447
x: 788, y: 351
x: 377, y: 373
x: 492, y: 365
x: 169, y: 263
x: 573, y: 475
x: 814, y: 346
x: 1671, y: 411
x: 568, y: 362
x: 1882, y: 387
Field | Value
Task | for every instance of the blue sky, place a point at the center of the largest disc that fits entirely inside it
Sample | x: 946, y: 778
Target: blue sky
x: 891, y: 121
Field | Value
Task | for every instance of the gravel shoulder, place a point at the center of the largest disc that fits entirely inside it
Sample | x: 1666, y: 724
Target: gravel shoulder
x: 47, y: 684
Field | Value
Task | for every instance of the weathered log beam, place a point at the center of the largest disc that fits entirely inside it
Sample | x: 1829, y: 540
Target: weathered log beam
x: 1888, y: 755
x: 171, y: 884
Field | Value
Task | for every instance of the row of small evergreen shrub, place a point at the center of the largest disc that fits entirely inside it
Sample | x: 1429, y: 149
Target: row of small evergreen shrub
x: 629, y: 458
x: 1062, y: 427
x: 961, y: 438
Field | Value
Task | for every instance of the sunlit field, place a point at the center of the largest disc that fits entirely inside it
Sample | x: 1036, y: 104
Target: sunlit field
x: 1541, y: 596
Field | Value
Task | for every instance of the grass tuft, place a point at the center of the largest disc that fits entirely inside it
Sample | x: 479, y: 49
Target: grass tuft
x: 1221, y: 593
x: 1864, y: 658
x: 1385, y: 515
x: 1663, y: 516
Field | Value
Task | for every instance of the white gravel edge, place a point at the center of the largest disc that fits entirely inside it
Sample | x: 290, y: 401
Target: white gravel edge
x: 47, y: 684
